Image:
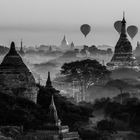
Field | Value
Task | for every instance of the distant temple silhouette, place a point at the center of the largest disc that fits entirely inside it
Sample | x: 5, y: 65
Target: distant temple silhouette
x: 64, y: 42
x: 15, y: 78
x: 137, y: 50
x: 72, y: 45
x: 65, y: 45
x: 21, y: 51
x: 123, y: 54
x: 49, y: 83
x: 49, y: 89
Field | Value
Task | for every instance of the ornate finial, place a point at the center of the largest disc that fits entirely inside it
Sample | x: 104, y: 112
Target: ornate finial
x: 49, y: 83
x: 64, y: 39
x: 124, y: 17
x: 123, y: 26
x: 49, y: 76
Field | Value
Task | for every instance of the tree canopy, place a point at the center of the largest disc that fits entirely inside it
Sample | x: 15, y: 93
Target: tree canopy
x: 89, y: 71
x: 85, y: 73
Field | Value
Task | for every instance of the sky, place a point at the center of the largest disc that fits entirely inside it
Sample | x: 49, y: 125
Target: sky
x: 39, y: 22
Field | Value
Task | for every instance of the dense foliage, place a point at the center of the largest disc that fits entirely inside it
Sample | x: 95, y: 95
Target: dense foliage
x: 126, y: 115
x: 19, y: 111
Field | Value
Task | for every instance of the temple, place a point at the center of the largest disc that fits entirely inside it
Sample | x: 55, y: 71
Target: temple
x: 72, y: 45
x: 137, y: 50
x: 49, y: 83
x: 15, y: 78
x: 123, y: 54
x: 64, y: 42
x: 21, y: 51
x: 53, y: 130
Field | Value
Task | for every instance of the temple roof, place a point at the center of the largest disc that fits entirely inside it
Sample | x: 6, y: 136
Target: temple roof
x: 13, y: 60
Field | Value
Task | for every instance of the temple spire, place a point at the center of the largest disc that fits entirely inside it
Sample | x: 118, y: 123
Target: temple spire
x: 49, y: 83
x: 64, y: 42
x: 123, y: 15
x: 21, y: 43
x: 52, y: 103
x: 138, y: 44
x: 21, y: 49
x: 123, y: 28
x: 12, y: 50
x: 53, y: 116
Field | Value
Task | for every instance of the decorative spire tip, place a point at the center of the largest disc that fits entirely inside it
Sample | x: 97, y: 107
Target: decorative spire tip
x: 124, y: 14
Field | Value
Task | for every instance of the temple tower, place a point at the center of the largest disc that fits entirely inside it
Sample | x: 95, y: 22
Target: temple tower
x: 53, y: 116
x: 64, y: 42
x: 21, y: 51
x: 15, y: 78
x: 48, y: 82
x: 123, y: 55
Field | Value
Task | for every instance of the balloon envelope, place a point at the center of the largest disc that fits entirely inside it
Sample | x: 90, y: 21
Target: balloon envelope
x: 85, y: 29
x: 118, y: 26
x: 132, y: 31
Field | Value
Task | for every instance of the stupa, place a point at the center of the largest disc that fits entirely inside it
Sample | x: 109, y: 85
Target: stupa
x: 123, y: 54
x: 64, y: 42
x: 15, y: 78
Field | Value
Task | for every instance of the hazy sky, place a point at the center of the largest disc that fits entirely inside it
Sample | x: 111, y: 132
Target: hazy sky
x: 46, y: 21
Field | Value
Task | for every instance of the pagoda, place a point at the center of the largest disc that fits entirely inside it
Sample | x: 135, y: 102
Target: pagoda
x: 15, y: 78
x: 72, y: 45
x: 64, y: 42
x: 52, y: 130
x: 123, y: 54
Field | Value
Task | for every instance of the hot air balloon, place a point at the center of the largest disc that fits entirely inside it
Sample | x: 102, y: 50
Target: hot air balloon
x: 132, y: 31
x: 118, y: 26
x: 85, y: 29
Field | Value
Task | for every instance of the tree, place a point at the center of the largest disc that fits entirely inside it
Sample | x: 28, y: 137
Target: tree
x: 86, y: 72
x: 120, y: 85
